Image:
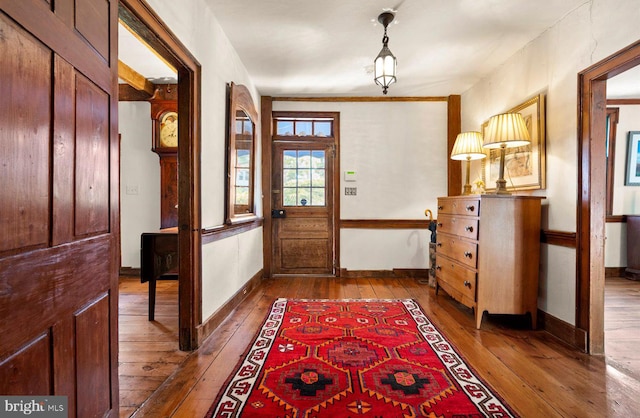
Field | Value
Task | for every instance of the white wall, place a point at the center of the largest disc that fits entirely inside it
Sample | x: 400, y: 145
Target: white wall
x: 399, y: 152
x: 227, y: 264
x: 626, y: 199
x: 550, y: 64
x: 139, y: 179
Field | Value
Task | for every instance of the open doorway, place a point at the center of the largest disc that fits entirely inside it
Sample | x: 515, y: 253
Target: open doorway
x: 149, y: 28
x: 592, y: 122
x: 622, y: 294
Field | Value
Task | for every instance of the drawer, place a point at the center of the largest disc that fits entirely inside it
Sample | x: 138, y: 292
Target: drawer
x: 463, y: 226
x: 465, y: 252
x: 470, y: 206
x: 461, y: 278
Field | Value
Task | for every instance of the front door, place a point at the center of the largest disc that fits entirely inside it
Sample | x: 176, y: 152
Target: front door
x: 303, y: 201
x: 59, y: 199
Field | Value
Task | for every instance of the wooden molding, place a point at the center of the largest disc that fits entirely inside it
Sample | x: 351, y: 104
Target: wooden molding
x: 377, y: 274
x: 361, y: 99
x: 615, y: 102
x: 616, y: 219
x: 560, y: 238
x: 135, y: 79
x: 126, y: 93
x: 266, y: 135
x: 454, y: 126
x: 228, y: 230
x: 384, y: 224
x: 210, y: 324
x: 562, y: 330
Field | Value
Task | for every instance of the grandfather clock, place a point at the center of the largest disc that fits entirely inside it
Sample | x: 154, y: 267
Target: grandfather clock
x: 164, y: 114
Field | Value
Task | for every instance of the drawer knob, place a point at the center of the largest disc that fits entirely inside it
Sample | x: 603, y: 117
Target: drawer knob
x: 467, y: 254
x: 467, y: 283
x: 438, y: 267
x: 470, y: 208
x: 439, y: 223
x: 439, y: 244
x: 440, y: 207
x: 468, y: 228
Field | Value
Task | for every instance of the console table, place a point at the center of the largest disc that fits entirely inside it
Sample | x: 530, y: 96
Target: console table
x: 158, y: 259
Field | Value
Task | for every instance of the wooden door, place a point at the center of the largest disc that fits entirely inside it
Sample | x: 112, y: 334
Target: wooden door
x: 303, y: 219
x: 59, y: 202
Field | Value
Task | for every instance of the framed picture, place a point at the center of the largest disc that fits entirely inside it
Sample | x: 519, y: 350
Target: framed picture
x: 632, y: 177
x: 524, y: 167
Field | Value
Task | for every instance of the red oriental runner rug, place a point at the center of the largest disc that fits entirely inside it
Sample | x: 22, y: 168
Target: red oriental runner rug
x: 347, y: 358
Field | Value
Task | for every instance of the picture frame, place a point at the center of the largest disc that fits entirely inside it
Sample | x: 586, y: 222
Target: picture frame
x: 632, y: 171
x: 525, y: 167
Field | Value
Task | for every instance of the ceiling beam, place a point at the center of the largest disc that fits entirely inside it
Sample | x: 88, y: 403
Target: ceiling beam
x: 135, y: 79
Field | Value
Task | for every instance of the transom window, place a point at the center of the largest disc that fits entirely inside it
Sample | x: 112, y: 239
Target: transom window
x: 322, y: 127
x: 303, y: 178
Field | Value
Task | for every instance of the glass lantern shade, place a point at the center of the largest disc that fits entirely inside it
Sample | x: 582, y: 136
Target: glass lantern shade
x: 385, y: 69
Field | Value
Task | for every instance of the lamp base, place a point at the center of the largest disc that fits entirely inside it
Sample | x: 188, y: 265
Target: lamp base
x: 501, y: 187
x: 467, y: 189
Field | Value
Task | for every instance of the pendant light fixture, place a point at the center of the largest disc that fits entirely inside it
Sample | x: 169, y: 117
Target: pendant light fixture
x: 385, y: 63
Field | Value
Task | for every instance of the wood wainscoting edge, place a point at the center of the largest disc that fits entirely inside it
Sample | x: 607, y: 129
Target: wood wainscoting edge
x: 378, y: 274
x: 210, y: 324
x: 560, y: 238
x: 562, y: 330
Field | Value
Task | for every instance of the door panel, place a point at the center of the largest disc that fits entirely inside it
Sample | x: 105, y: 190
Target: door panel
x: 302, y: 181
x: 59, y: 203
x: 25, y: 211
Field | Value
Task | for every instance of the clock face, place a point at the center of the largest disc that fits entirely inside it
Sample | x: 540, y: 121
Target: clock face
x: 169, y: 130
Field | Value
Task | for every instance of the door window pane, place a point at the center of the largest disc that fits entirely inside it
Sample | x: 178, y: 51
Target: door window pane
x: 303, y: 178
x: 289, y: 159
x: 317, y: 196
x: 317, y: 159
x: 317, y: 179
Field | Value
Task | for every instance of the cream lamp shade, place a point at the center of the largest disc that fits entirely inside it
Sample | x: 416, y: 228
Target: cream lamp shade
x: 468, y: 146
x: 506, y: 130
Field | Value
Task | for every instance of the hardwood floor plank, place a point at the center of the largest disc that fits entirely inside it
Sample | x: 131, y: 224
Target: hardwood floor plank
x: 536, y: 374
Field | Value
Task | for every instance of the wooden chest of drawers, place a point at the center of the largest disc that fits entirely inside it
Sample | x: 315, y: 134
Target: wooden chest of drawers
x: 488, y: 253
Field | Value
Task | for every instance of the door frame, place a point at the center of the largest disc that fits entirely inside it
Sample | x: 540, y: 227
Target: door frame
x: 266, y: 114
x: 591, y: 212
x: 148, y: 25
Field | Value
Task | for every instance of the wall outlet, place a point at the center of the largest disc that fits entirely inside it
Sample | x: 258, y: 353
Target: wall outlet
x: 132, y: 189
x: 350, y: 191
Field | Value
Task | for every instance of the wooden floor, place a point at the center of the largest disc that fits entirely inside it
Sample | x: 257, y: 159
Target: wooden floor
x: 535, y: 373
x: 622, y: 325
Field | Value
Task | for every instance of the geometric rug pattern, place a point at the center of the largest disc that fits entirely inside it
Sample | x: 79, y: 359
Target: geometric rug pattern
x: 353, y: 358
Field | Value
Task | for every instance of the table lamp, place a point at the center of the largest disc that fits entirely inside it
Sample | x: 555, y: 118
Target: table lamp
x: 506, y: 130
x: 468, y: 146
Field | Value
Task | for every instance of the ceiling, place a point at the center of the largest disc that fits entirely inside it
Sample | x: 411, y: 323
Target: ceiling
x: 326, y: 48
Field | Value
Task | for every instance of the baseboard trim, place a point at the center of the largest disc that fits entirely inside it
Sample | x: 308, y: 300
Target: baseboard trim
x: 210, y: 324
x: 614, y: 271
x: 130, y: 271
x: 562, y: 330
x: 377, y: 274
